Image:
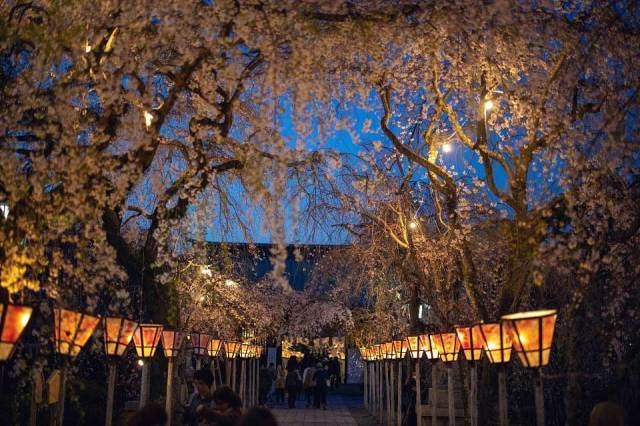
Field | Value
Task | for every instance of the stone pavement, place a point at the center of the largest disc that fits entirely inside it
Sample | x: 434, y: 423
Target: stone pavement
x: 341, y: 410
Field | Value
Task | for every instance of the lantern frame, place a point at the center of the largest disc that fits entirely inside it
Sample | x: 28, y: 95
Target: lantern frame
x: 470, y: 340
x: 501, y: 353
x: 415, y: 349
x: 116, y: 345
x: 215, y: 346
x: 245, y: 350
x: 448, y: 349
x: 231, y: 348
x: 172, y: 341
x: 400, y: 348
x: 70, y: 337
x: 389, y: 350
x: 200, y: 343
x: 13, y: 321
x: 146, y: 339
x: 522, y: 325
x: 426, y: 346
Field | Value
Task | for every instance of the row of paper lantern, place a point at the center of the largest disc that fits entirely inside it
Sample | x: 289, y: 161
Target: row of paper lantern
x: 530, y: 334
x: 73, y: 329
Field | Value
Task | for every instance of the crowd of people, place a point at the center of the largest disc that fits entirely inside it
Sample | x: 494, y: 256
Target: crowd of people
x: 308, y: 380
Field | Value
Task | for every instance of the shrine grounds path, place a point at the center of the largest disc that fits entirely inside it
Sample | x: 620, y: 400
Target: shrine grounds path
x: 342, y: 410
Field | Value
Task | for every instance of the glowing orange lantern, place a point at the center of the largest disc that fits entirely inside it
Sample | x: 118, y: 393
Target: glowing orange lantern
x: 470, y: 341
x: 532, y: 335
x: 214, y: 347
x: 200, y: 343
x: 118, y: 333
x: 231, y: 349
x: 13, y: 320
x: 146, y: 339
x: 172, y: 342
x: 245, y: 350
x: 427, y: 346
x: 400, y: 348
x: 389, y: 353
x: 72, y: 330
x: 415, y: 350
x: 496, y: 342
x: 447, y: 345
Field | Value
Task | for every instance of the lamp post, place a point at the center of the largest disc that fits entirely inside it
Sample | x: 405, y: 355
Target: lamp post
x: 448, y: 347
x: 72, y: 330
x: 245, y: 353
x: 426, y: 346
x: 390, y: 355
x: 380, y: 356
x: 200, y: 342
x: 415, y: 352
x: 215, y: 345
x: 532, y: 335
x: 496, y: 342
x: 400, y: 347
x: 13, y: 320
x: 146, y: 339
x: 471, y: 343
x: 171, y: 343
x: 118, y: 333
x: 231, y: 349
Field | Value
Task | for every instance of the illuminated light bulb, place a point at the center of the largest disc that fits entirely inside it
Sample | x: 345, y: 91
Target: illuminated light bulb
x: 204, y: 270
x: 87, y: 47
x: 202, y: 298
x: 148, y: 119
x: 447, y: 148
x: 488, y: 105
x: 141, y: 362
x: 413, y: 225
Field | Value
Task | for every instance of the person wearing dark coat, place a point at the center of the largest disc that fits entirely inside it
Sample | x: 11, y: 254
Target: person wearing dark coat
x: 320, y: 390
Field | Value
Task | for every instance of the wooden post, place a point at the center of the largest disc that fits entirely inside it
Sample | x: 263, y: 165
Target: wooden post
x: 452, y: 408
x: 473, y: 395
x: 198, y: 363
x: 227, y: 372
x: 399, y: 396
x: 242, y: 380
x: 434, y: 389
x: 539, y: 397
x: 144, y: 384
x: 233, y: 374
x: 418, y: 406
x: 111, y: 388
x: 380, y: 400
x: 503, y: 416
x: 63, y: 395
x: 168, y: 404
x: 390, y: 404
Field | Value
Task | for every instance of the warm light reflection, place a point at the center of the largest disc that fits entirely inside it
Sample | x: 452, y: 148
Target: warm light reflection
x: 447, y: 148
x: 118, y: 333
x: 532, y: 335
x: 13, y: 320
x: 415, y: 351
x: 389, y: 352
x: 413, y: 225
x: 398, y: 349
x: 72, y: 330
x: 496, y: 342
x: 214, y: 347
x: 172, y: 342
x: 488, y: 105
x: 471, y: 341
x: 447, y: 345
x: 148, y: 118
x: 146, y: 339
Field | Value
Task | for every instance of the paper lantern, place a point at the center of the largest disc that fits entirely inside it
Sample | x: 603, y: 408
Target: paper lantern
x: 532, y: 335
x: 245, y: 350
x: 200, y: 343
x: 172, y: 342
x: 214, y: 347
x: 232, y: 348
x: 470, y: 341
x: 146, y: 339
x: 415, y: 350
x: 447, y: 345
x: 72, y: 330
x: 13, y: 320
x: 400, y: 348
x: 426, y: 346
x: 496, y: 342
x: 118, y: 333
x: 389, y: 352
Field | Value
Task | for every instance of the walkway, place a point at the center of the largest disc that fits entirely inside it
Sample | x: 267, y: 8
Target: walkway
x: 341, y: 410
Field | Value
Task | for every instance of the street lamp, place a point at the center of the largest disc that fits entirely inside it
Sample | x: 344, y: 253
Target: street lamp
x: 448, y: 346
x: 471, y: 343
x: 146, y: 339
x: 13, y: 320
x: 532, y: 334
x: 171, y: 343
x: 118, y: 333
x: 496, y: 342
x: 72, y: 330
x: 426, y: 346
x: 401, y: 348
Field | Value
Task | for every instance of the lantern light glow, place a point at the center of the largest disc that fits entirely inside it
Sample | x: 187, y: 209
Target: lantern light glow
x: 72, y: 330
x: 146, y: 339
x: 447, y: 345
x: 172, y: 342
x: 214, y: 347
x: 118, y: 333
x: 231, y: 349
x: 471, y: 341
x: 532, y: 335
x: 13, y: 320
x: 200, y: 343
x: 496, y: 342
